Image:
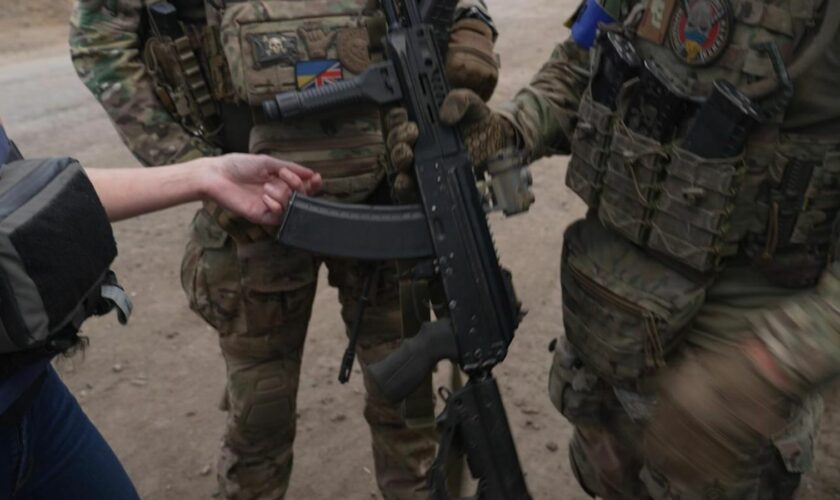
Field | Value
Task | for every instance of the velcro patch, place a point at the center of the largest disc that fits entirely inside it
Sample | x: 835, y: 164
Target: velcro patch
x: 657, y: 18
x: 318, y: 73
x: 274, y: 48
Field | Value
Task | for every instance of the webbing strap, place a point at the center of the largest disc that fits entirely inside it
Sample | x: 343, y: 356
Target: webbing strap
x: 117, y: 296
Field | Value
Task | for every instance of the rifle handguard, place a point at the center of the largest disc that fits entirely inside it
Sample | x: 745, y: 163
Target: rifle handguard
x: 404, y: 369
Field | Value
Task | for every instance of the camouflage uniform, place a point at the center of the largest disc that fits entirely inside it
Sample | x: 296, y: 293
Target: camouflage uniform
x: 258, y: 296
x: 680, y: 255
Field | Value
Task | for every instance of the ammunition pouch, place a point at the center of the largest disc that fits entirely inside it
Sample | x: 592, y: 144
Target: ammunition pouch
x: 802, y: 206
x: 591, y: 148
x: 180, y: 84
x: 631, y: 183
x: 659, y: 196
x: 692, y: 216
x: 699, y: 211
x: 623, y: 310
x: 645, y: 185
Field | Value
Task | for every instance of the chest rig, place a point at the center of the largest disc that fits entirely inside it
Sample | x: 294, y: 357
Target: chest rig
x: 673, y: 155
x: 687, y: 170
x: 249, y: 51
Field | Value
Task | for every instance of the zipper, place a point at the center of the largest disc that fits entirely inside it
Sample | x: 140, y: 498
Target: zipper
x: 596, y: 289
x: 654, y: 350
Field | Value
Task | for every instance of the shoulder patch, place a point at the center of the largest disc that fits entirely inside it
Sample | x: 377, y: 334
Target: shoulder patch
x: 701, y: 30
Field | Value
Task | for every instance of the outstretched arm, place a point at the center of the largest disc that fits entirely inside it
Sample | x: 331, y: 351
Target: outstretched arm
x: 255, y: 187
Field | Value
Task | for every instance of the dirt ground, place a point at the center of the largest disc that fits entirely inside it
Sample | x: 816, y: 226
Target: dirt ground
x: 153, y: 387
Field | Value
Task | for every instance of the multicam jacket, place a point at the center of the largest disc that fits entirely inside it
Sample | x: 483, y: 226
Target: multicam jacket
x: 771, y: 206
x: 248, y: 50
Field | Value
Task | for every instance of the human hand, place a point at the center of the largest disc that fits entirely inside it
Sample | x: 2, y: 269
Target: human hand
x: 471, y: 62
x: 491, y: 142
x: 486, y: 133
x: 716, y: 413
x: 257, y: 187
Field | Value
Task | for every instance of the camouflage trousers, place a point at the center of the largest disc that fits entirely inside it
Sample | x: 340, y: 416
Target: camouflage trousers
x: 259, y: 297
x: 605, y: 451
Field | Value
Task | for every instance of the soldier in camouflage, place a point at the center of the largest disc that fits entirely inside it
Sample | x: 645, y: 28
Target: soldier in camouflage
x: 700, y: 292
x: 192, y: 87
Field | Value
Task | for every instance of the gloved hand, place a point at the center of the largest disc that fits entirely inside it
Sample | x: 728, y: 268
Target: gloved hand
x: 716, y: 413
x: 401, y: 136
x: 491, y: 142
x: 485, y: 132
x: 471, y: 62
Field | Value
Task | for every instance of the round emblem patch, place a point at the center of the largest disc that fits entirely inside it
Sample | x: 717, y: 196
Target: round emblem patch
x: 701, y: 30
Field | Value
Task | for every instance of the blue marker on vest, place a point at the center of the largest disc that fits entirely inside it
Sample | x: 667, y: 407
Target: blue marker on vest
x: 586, y: 25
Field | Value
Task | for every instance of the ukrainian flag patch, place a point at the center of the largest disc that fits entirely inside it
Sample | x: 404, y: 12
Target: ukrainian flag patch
x: 317, y: 73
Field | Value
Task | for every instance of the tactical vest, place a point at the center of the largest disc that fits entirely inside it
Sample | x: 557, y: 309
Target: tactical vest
x: 688, y: 175
x: 249, y: 51
x: 770, y: 198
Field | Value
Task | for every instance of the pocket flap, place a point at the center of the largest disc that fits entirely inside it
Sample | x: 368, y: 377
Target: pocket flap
x: 206, y: 232
x: 623, y: 310
x: 623, y: 269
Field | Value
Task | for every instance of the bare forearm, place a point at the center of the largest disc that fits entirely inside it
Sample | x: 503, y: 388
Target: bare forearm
x: 129, y: 192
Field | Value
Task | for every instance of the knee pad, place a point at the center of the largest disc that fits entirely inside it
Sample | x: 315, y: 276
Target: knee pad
x: 261, y: 398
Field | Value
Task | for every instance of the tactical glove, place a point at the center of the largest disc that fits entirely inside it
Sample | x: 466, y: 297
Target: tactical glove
x: 491, y: 143
x: 485, y: 132
x: 401, y: 136
x: 471, y: 62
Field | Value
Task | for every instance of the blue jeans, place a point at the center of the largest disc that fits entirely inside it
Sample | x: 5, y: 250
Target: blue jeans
x: 56, y: 453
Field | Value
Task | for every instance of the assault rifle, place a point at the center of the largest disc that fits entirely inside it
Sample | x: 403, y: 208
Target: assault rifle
x: 446, y: 234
